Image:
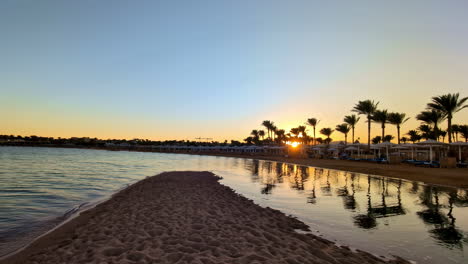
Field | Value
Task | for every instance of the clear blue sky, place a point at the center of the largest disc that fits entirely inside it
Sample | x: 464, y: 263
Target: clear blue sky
x: 182, y: 69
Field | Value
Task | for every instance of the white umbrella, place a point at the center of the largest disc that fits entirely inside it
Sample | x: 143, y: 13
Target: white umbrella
x: 459, y: 144
x: 352, y: 149
x: 406, y: 146
x: 358, y: 145
x: 385, y: 145
x: 431, y: 143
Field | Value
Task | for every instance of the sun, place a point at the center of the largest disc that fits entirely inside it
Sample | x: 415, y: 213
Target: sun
x: 293, y: 144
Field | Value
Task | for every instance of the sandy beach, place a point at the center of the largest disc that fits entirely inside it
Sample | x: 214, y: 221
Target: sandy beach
x: 455, y: 177
x: 184, y: 217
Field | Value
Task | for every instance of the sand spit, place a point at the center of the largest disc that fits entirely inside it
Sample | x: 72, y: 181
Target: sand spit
x: 184, y: 217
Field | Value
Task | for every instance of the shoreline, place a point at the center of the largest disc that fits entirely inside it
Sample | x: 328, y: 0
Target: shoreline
x: 184, y: 216
x: 453, y: 177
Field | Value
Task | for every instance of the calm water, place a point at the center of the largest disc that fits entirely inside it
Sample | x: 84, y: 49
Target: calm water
x: 424, y: 223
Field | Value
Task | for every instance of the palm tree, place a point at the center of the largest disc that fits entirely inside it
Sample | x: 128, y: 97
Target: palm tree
x: 313, y: 123
x: 388, y: 138
x: 397, y: 119
x: 351, y: 120
x: 431, y: 118
x: 427, y: 132
x: 248, y: 140
x: 366, y: 108
x: 261, y: 133
x: 280, y: 135
x: 381, y: 117
x: 464, y: 132
x: 273, y: 129
x: 344, y: 128
x: 404, y: 139
x: 302, y: 133
x: 326, y: 132
x: 448, y: 104
x: 442, y: 133
x: 376, y: 139
x: 267, y: 124
x: 295, y: 131
x: 254, y: 133
x: 455, y: 131
x: 414, y: 136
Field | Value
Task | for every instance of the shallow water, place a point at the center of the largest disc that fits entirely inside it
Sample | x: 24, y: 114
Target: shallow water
x: 424, y: 223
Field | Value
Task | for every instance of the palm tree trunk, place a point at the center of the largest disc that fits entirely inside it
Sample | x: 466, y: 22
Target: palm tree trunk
x: 353, y: 134
x: 368, y: 132
x: 449, y: 128
x: 345, y: 139
x: 314, y: 136
x: 398, y: 133
x: 383, y: 132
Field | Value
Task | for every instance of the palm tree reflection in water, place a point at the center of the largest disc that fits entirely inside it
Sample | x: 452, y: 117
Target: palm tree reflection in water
x: 379, y: 197
x: 442, y: 226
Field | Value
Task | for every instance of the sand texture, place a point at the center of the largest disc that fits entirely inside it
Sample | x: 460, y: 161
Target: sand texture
x: 184, y: 217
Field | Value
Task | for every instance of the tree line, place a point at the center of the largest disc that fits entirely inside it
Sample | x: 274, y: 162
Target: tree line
x: 440, y: 108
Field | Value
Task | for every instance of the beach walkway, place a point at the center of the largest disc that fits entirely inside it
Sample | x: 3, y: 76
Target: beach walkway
x: 184, y: 217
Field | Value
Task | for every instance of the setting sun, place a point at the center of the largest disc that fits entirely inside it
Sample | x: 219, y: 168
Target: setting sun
x: 293, y: 144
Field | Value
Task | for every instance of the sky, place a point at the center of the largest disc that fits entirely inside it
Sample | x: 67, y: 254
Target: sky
x: 211, y: 68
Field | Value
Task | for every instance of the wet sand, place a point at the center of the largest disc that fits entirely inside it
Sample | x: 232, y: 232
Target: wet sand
x: 455, y: 177
x: 184, y: 217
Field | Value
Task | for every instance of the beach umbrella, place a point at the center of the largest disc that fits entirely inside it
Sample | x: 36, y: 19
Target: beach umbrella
x: 431, y: 143
x: 359, y: 146
x: 459, y: 144
x: 386, y: 145
x: 405, y: 146
x: 351, y: 149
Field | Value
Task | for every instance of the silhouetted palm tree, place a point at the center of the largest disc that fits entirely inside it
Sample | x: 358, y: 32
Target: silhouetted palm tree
x: 326, y: 132
x: 404, y: 139
x: 313, y: 123
x: 442, y: 133
x: 302, y: 133
x: 455, y: 131
x: 366, y: 108
x: 268, y: 124
x: 381, y: 117
x: 344, y: 128
x: 261, y: 133
x: 352, y: 120
x: 414, y: 136
x: 427, y: 132
x: 397, y: 119
x: 464, y: 132
x: 448, y: 104
x: 273, y: 130
x: 431, y: 118
x: 295, y: 131
x: 376, y: 139
x: 280, y: 135
x: 255, y: 136
x: 388, y: 138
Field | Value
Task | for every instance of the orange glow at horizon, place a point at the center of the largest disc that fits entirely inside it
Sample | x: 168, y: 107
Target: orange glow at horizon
x: 293, y: 144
